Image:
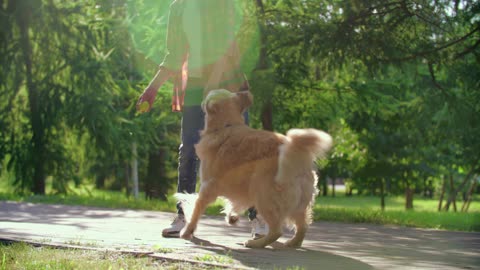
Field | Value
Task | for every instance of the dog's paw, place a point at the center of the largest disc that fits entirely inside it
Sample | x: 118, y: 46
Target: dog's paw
x: 233, y: 219
x: 248, y: 243
x: 186, y: 233
x: 293, y: 244
x: 254, y: 244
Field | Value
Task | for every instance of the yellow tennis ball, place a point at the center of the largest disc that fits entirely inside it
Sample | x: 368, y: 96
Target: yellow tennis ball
x: 143, y: 106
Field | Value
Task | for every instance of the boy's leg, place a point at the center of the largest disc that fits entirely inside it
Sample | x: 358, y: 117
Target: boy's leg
x: 192, y: 124
x: 259, y: 227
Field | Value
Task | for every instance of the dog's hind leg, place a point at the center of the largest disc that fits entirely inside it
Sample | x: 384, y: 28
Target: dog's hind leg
x: 301, y: 227
x: 274, y: 232
x: 232, y: 217
x: 203, y: 200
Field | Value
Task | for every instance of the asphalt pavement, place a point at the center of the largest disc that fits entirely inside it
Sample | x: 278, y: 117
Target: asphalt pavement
x: 328, y: 245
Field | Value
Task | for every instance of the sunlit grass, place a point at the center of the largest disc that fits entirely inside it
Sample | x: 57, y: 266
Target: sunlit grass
x: 223, y: 259
x: 366, y: 209
x: 422, y: 219
x: 23, y: 256
x: 106, y: 199
x: 391, y: 202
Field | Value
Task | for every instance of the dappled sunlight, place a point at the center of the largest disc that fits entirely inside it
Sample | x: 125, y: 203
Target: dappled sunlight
x: 147, y: 22
x: 401, y: 105
x: 329, y: 244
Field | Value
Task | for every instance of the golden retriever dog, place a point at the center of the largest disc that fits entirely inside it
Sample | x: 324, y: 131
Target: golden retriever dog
x: 249, y: 167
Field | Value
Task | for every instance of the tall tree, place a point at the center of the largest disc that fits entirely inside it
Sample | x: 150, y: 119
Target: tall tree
x: 395, y: 66
x: 66, y: 74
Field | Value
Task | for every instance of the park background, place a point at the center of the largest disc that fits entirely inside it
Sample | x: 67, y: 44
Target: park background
x: 396, y: 83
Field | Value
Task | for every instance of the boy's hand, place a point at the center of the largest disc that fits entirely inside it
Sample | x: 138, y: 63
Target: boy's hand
x: 145, y: 101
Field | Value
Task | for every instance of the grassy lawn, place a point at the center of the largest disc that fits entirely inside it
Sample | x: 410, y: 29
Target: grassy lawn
x: 364, y: 209
x: 26, y: 257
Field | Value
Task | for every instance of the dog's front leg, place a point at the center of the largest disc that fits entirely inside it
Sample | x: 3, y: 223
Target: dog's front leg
x: 203, y: 200
x: 273, y: 234
x: 274, y: 230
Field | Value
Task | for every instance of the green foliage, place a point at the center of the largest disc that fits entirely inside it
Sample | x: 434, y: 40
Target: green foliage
x: 396, y: 83
x: 395, y: 72
x: 85, y: 84
x: 147, y: 25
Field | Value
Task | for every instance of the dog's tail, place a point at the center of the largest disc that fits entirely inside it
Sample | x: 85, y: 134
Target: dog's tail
x: 301, y: 149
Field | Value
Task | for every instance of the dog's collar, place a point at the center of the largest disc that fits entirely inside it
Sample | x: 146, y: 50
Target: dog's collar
x: 227, y: 125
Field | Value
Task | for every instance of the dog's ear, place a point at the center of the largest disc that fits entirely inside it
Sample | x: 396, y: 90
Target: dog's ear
x: 245, y: 99
x: 210, y: 107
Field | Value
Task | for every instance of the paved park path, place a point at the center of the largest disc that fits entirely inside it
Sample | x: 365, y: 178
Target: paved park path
x: 328, y: 245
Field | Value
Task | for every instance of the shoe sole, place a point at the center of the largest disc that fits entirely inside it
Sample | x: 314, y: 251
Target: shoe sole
x: 171, y: 235
x: 258, y: 236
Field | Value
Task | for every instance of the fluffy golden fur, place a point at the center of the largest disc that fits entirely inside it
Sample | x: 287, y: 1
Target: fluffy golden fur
x: 249, y: 167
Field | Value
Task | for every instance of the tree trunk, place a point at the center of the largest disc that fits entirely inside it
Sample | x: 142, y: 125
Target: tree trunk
x: 466, y: 204
x: 262, y: 60
x: 322, y: 180
x: 156, y: 186
x: 334, y: 180
x: 325, y: 187
x: 100, y: 180
x: 425, y: 191
x: 430, y: 189
x: 388, y: 185
x: 453, y: 199
x: 382, y: 194
x: 453, y: 195
x: 267, y: 109
x: 134, y: 164
x: 127, y: 175
x: 267, y: 116
x: 38, y: 137
x: 442, y: 194
x: 409, y: 197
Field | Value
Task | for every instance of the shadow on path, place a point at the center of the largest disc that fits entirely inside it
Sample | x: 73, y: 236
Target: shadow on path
x: 328, y: 245
x: 277, y: 256
x: 53, y: 213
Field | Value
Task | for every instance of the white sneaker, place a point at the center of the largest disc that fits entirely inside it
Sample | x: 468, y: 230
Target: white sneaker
x: 259, y: 228
x: 175, y: 228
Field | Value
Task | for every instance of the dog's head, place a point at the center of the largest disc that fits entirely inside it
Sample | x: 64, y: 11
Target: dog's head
x: 223, y: 108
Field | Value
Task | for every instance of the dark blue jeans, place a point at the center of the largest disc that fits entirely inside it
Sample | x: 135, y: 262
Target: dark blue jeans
x: 192, y: 123
x: 193, y: 119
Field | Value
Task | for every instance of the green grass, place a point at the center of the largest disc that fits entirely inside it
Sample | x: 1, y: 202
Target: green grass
x: 106, y: 199
x: 97, y: 198
x: 391, y: 202
x: 222, y: 259
x: 420, y: 219
x: 364, y: 209
x: 88, y: 196
x: 24, y: 256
